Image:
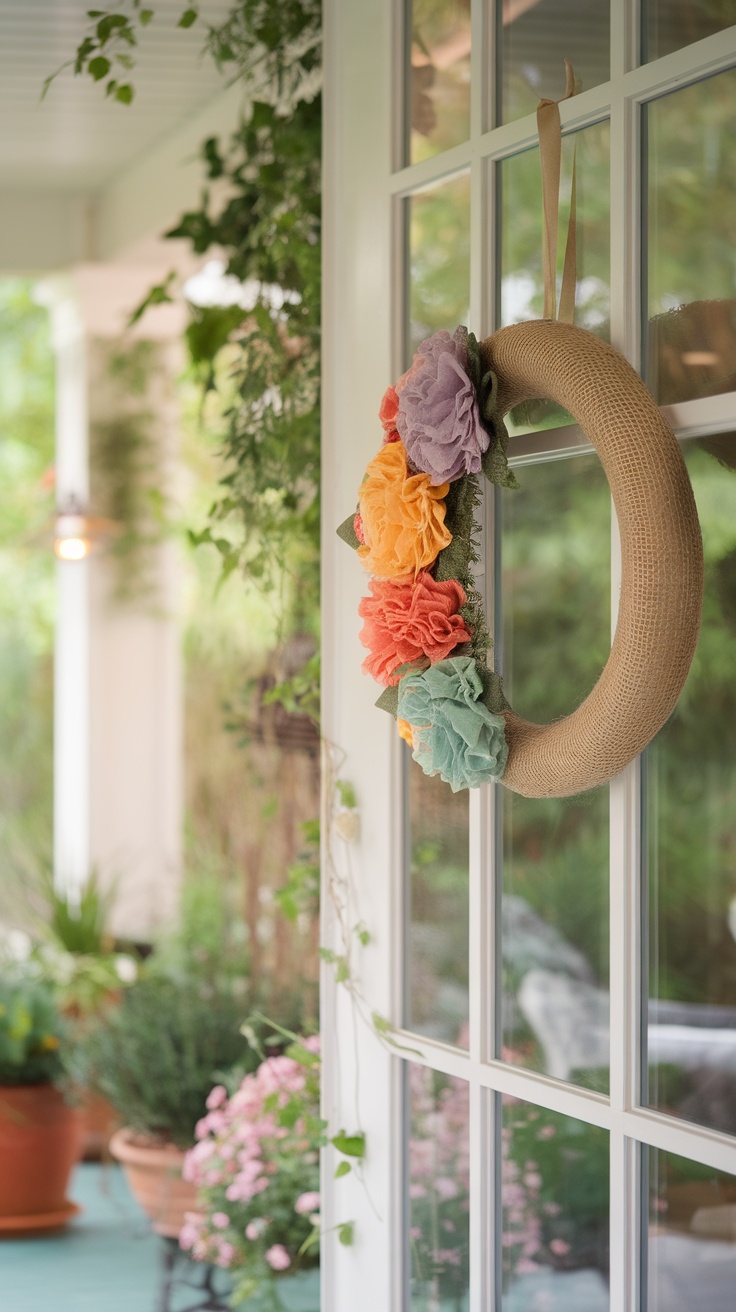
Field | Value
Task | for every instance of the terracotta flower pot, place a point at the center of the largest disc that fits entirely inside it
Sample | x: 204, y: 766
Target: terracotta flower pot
x: 39, y: 1146
x: 98, y: 1122
x: 153, y: 1171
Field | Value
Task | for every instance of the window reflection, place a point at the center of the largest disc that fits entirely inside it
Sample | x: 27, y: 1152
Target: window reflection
x: 438, y: 1181
x: 437, y: 992
x: 692, y: 281
x: 439, y: 260
x: 692, y: 1236
x: 692, y: 856
x: 669, y: 25
x: 554, y: 1195
x: 438, y: 91
x: 536, y: 36
x: 554, y: 933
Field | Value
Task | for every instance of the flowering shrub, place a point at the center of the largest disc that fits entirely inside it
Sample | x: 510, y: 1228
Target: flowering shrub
x: 256, y: 1167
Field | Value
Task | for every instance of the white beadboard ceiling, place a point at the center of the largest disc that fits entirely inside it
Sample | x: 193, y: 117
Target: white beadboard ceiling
x: 76, y: 141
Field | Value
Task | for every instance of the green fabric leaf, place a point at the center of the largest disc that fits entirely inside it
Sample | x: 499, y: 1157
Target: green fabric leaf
x: 493, y: 694
x: 346, y: 531
x: 494, y: 463
x: 389, y: 701
x: 457, y: 559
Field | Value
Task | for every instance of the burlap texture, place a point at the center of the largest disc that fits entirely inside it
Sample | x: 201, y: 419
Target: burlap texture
x: 661, y: 549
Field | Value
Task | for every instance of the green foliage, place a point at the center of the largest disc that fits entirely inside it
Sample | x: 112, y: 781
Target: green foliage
x: 30, y: 1031
x: 300, y: 893
x: 79, y: 926
x: 157, y: 1055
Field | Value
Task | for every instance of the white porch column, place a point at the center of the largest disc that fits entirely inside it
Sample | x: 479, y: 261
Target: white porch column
x: 118, y: 683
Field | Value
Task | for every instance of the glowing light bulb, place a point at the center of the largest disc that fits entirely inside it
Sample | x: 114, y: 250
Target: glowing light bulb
x: 71, y: 548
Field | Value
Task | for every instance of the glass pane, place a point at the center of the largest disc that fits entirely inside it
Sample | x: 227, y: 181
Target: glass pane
x: 692, y: 1236
x: 439, y: 260
x: 438, y: 91
x: 437, y: 1185
x: 522, y: 284
x: 554, y: 1198
x: 691, y: 789
x: 536, y: 37
x: 437, y: 987
x: 556, y: 639
x: 692, y: 275
x: 27, y: 601
x: 669, y: 25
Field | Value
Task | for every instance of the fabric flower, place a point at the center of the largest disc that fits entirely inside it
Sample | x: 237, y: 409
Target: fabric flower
x: 403, y: 516
x: 277, y: 1257
x: 358, y: 527
x: 438, y: 417
x: 410, y: 620
x: 454, y: 734
x: 387, y: 414
x: 404, y: 729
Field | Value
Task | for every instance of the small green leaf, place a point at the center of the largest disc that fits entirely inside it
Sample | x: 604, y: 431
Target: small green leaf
x: 343, y: 1169
x: 346, y: 531
x: 188, y: 17
x: 124, y: 93
x: 345, y: 1233
x: 108, y: 92
x: 350, y: 1145
x: 145, y: 17
x: 347, y: 794
x: 98, y: 67
x: 327, y: 955
x: 342, y: 972
x: 389, y: 701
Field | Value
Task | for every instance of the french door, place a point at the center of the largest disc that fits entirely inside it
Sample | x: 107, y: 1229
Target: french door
x: 553, y: 1125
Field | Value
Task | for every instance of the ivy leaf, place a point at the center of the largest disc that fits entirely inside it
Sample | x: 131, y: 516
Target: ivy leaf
x: 124, y: 93
x: 343, y: 1169
x: 389, y: 701
x: 345, y: 1233
x: 145, y: 17
x: 350, y: 1145
x: 98, y: 67
x: 188, y: 17
x: 346, y: 531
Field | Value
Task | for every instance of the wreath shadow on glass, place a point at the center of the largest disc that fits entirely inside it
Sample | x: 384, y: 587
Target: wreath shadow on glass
x: 417, y: 534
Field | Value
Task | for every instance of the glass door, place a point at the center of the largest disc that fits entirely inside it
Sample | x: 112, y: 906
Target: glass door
x: 559, y: 1119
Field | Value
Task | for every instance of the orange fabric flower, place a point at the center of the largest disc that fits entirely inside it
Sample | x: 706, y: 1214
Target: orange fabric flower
x: 404, y: 729
x: 403, y: 516
x: 410, y: 622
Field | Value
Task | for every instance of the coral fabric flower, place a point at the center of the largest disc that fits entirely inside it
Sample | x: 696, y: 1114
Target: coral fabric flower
x: 277, y: 1257
x: 454, y: 733
x: 387, y: 415
x: 438, y: 417
x: 410, y: 620
x: 403, y: 516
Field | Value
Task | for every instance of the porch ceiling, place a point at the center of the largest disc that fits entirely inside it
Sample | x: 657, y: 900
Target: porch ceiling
x: 75, y: 141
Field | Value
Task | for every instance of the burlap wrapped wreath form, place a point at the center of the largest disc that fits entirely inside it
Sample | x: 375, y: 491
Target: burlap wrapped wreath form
x: 661, y: 557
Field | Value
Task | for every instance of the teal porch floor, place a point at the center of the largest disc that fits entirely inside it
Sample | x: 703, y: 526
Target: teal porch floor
x: 106, y: 1260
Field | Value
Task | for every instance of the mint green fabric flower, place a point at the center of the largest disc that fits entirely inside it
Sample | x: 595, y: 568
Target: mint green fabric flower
x: 454, y: 734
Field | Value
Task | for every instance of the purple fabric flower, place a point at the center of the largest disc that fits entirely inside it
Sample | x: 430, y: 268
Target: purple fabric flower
x: 438, y: 417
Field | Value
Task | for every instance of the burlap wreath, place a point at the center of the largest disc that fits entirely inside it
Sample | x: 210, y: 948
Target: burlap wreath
x: 661, y: 557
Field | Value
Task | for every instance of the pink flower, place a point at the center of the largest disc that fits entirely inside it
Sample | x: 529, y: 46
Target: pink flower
x: 254, y: 1229
x: 277, y: 1257
x: 220, y: 1220
x: 216, y: 1097
x: 308, y: 1202
x: 225, y: 1254
x: 559, y: 1246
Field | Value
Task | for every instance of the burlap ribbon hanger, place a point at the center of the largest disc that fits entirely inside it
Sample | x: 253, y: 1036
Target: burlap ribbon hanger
x: 549, y: 128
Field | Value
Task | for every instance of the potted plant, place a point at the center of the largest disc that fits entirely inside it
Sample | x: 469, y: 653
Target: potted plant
x: 256, y: 1170
x: 155, y: 1057
x: 39, y: 1131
